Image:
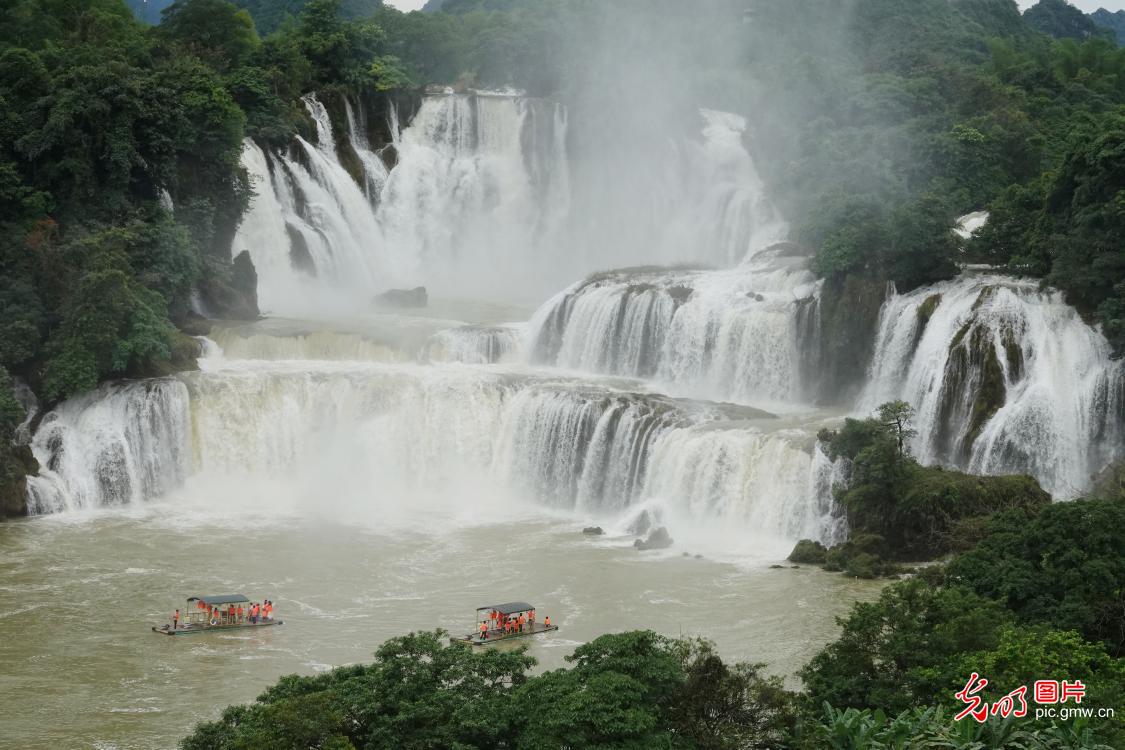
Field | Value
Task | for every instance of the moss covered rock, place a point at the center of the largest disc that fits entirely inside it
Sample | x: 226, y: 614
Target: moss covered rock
x: 848, y: 321
x: 808, y: 552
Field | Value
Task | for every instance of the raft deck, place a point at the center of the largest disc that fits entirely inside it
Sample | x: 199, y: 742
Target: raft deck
x: 497, y: 636
x: 191, y: 629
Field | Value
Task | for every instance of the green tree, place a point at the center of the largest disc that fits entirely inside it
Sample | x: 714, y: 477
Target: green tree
x: 1062, y: 568
x: 216, y: 31
x: 905, y: 649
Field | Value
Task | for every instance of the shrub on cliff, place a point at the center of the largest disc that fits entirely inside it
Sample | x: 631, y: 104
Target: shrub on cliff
x: 920, y: 512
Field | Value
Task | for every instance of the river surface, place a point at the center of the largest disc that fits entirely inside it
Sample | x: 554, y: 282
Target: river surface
x: 371, y: 483
x: 78, y: 593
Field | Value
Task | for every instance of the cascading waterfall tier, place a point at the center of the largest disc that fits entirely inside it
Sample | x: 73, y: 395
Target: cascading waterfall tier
x: 481, y: 195
x: 735, y: 334
x: 1005, y: 378
x: 481, y: 181
x: 474, y: 345
x: 641, y: 198
x: 403, y: 429
x: 121, y: 444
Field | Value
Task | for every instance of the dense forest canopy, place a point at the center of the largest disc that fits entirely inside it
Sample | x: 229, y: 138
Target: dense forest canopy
x: 267, y: 14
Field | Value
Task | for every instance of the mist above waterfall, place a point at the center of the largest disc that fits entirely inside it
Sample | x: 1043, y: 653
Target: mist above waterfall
x: 511, y: 195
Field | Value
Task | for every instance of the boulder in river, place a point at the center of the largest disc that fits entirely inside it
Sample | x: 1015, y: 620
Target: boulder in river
x: 593, y: 531
x: 641, y: 524
x: 658, y: 539
x: 416, y: 297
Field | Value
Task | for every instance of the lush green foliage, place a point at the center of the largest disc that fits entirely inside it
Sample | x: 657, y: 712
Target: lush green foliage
x: 1064, y: 568
x: 1039, y: 597
x: 855, y: 729
x: 906, y: 649
x: 884, y: 123
x: 632, y: 690
x: 99, y: 117
x: 902, y: 510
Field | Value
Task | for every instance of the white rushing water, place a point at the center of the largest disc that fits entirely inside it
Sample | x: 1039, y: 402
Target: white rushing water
x: 481, y: 196
x: 735, y: 334
x: 475, y: 345
x: 480, y: 182
x: 1005, y: 377
x: 360, y: 434
x: 117, y: 445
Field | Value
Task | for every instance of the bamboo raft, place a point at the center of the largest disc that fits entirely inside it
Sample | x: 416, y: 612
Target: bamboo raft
x: 197, y: 620
x: 493, y: 635
x: 194, y: 628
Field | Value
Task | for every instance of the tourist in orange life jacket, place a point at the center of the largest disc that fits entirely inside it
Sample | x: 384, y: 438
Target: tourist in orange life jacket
x: 484, y: 631
x: 522, y: 621
x: 547, y: 621
x: 531, y: 619
x: 176, y: 620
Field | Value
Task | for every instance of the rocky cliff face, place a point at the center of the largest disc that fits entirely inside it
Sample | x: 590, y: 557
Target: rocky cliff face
x: 848, y: 319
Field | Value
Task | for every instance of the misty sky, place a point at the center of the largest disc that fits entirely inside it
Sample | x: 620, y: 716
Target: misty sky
x: 1087, y: 5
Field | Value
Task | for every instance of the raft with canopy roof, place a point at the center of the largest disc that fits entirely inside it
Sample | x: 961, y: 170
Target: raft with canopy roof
x: 505, y: 622
x: 219, y: 612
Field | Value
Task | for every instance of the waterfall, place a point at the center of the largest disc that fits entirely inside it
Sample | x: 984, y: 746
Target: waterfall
x: 480, y: 179
x: 483, y: 193
x: 735, y: 334
x: 117, y: 445
x: 365, y: 432
x: 720, y: 205
x: 747, y: 479
x: 688, y: 199
x: 374, y: 170
x: 474, y: 345
x: 1005, y: 377
x: 306, y: 345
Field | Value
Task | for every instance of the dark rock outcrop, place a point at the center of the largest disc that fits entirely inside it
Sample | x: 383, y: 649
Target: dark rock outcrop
x: 236, y: 296
x: 839, y: 337
x: 658, y: 539
x: 593, y: 531
x: 18, y: 464
x: 402, y: 298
